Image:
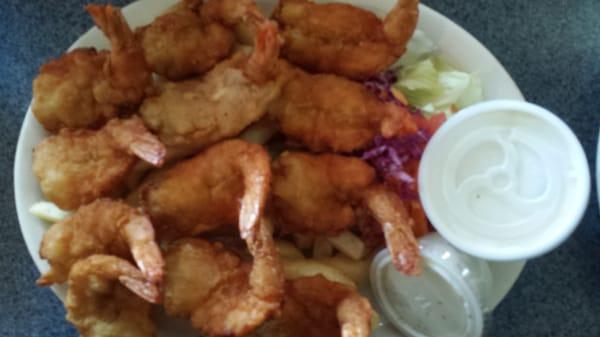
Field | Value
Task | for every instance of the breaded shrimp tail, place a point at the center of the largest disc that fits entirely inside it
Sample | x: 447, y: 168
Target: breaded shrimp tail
x: 401, y: 22
x: 128, y: 77
x: 263, y: 63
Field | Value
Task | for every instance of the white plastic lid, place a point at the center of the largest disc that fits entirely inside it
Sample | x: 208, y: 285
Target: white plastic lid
x: 437, y: 303
x: 504, y: 180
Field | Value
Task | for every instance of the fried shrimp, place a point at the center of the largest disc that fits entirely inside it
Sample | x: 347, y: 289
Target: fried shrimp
x: 107, y: 297
x: 326, y: 194
x: 196, y: 113
x: 225, y: 185
x: 181, y: 44
x: 85, y: 88
x: 102, y: 227
x: 223, y: 295
x: 342, y: 39
x: 76, y: 167
x: 330, y: 113
x: 316, y: 307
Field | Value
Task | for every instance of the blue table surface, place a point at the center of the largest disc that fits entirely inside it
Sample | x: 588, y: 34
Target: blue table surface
x: 550, y: 47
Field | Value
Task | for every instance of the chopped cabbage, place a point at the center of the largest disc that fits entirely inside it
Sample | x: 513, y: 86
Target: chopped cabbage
x: 430, y: 83
x: 434, y: 86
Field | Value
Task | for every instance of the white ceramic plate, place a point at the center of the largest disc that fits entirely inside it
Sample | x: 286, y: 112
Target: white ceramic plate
x: 458, y: 47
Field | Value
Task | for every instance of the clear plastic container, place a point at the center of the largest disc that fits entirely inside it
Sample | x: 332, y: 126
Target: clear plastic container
x: 449, y: 298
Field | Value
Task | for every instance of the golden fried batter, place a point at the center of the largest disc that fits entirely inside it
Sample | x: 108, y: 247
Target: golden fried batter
x: 331, y: 113
x: 223, y: 295
x: 196, y: 113
x: 85, y: 88
x: 326, y: 194
x: 225, y: 185
x: 108, y: 297
x: 316, y: 307
x: 342, y: 39
x: 63, y: 92
x: 179, y: 44
x: 102, y: 227
x: 75, y: 167
x: 318, y: 194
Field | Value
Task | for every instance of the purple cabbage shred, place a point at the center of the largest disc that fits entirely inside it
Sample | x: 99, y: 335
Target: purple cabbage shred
x: 381, y: 85
x: 390, y: 156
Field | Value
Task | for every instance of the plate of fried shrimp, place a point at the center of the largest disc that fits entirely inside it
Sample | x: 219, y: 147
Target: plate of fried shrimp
x: 230, y: 167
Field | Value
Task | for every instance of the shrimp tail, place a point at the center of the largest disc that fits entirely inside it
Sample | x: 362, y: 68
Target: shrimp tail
x: 400, y: 23
x: 354, y: 315
x: 110, y: 268
x: 262, y: 64
x: 140, y: 235
x: 266, y: 278
x: 387, y: 208
x: 128, y: 77
x: 149, y: 149
x: 132, y: 135
x: 112, y: 23
x: 256, y: 170
x: 144, y: 289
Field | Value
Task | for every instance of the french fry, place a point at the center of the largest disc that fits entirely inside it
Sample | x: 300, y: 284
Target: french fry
x: 294, y: 269
x: 357, y: 271
x: 322, y: 248
x: 287, y: 250
x: 349, y: 244
x: 48, y: 211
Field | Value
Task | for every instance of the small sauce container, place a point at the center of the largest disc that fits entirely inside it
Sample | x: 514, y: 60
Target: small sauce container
x: 448, y: 299
x: 504, y: 180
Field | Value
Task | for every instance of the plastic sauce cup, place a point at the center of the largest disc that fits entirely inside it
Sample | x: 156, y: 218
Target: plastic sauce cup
x: 448, y: 299
x: 504, y: 180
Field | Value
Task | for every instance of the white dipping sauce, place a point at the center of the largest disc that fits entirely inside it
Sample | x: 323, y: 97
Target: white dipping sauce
x: 427, y: 303
x: 447, y: 299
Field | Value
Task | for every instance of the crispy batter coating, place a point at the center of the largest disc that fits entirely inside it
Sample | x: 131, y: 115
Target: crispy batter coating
x: 197, y: 113
x: 330, y: 113
x: 108, y: 297
x: 63, y: 92
x: 225, y: 185
x: 316, y: 307
x: 85, y: 88
x: 223, y: 295
x: 179, y: 44
x: 193, y: 268
x: 326, y: 194
x: 318, y: 194
x: 76, y: 167
x: 342, y: 39
x: 102, y: 227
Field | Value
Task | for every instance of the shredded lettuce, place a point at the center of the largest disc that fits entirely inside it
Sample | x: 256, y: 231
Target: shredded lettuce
x: 434, y: 86
x: 430, y: 83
